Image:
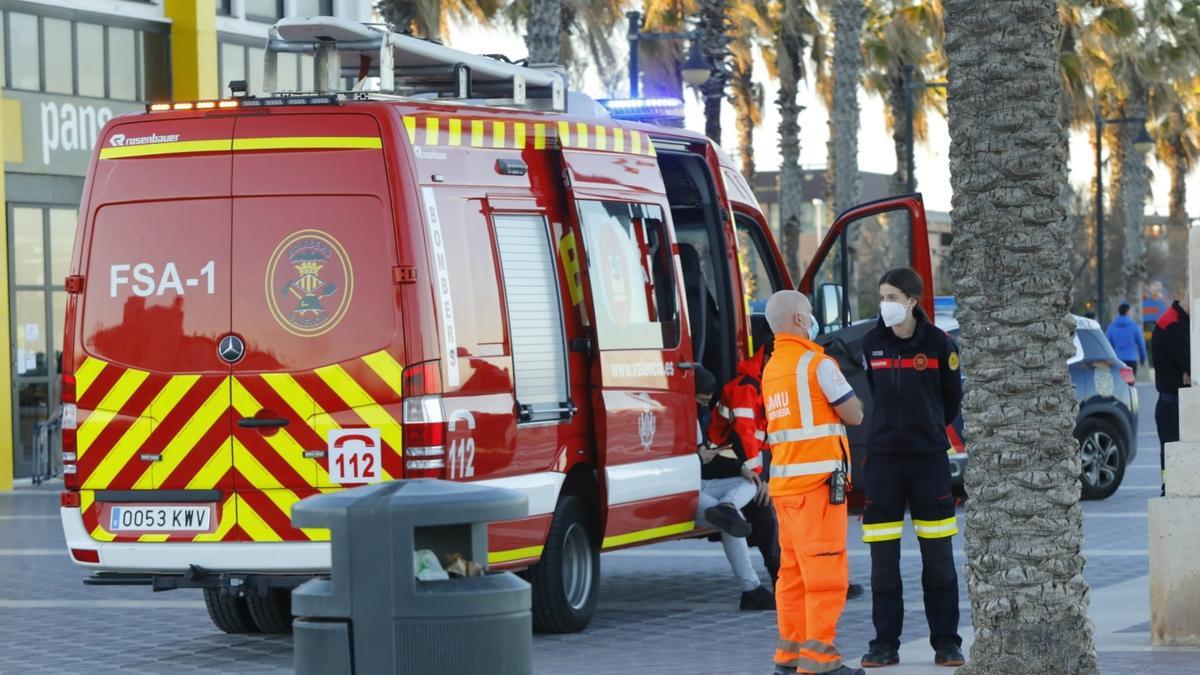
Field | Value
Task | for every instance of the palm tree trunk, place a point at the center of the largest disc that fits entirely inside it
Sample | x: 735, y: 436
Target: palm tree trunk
x: 898, y: 225
x: 543, y: 34
x: 848, y: 18
x: 789, y: 59
x: 1136, y: 179
x: 714, y: 39
x: 1177, y: 220
x: 399, y: 13
x: 1024, y: 531
x: 747, y: 101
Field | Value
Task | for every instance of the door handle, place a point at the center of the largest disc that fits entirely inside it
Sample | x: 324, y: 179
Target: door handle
x: 261, y: 422
x: 686, y: 365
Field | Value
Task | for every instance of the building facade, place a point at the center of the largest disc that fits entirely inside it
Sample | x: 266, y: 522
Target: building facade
x: 66, y: 68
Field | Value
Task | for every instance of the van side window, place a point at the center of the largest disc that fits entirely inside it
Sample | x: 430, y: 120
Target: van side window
x: 535, y: 316
x: 760, y: 278
x: 632, y: 275
x: 474, y: 280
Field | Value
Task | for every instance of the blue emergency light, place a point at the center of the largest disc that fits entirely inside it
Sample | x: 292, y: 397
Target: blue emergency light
x: 661, y: 110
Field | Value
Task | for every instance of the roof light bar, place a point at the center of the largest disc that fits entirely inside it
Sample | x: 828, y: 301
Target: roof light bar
x: 249, y: 102
x: 662, y: 110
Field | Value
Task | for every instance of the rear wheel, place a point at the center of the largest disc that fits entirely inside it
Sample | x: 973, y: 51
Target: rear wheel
x: 567, y: 580
x: 228, y: 611
x: 272, y: 612
x: 1102, y: 453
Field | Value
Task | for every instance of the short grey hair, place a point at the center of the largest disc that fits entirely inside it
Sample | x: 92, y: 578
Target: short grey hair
x: 782, y: 310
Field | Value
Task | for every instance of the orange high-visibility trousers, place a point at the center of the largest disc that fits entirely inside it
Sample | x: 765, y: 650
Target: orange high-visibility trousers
x: 813, y: 577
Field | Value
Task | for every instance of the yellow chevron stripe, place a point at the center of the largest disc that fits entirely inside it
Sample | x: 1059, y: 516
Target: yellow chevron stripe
x: 289, y: 390
x: 101, y: 534
x: 253, y: 524
x: 539, y: 136
x: 564, y: 134
x: 635, y: 144
x: 215, y: 468
x: 173, y: 148
x: 90, y: 428
x: 226, y: 518
x: 476, y: 133
x: 619, y: 140
x: 87, y: 374
x: 386, y: 368
x: 365, y: 406
x: 252, y: 470
x: 455, y: 131
x: 514, y: 554
x: 153, y: 537
x: 497, y: 134
x: 281, y: 442
x: 581, y: 134
x: 308, y: 143
x: 650, y: 148
x: 410, y: 125
x: 519, y: 135
x: 601, y: 138
x: 209, y: 413
x: 431, y: 130
x: 652, y: 533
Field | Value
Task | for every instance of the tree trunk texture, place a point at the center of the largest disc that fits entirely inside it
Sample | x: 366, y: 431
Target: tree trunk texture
x: 789, y: 59
x: 1136, y: 177
x: 714, y: 42
x: 898, y: 225
x: 399, y: 13
x: 747, y: 102
x: 543, y: 34
x: 848, y: 16
x: 1177, y: 222
x: 1024, y: 532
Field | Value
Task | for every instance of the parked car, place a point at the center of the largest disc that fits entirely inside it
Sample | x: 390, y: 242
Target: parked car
x: 1106, y: 425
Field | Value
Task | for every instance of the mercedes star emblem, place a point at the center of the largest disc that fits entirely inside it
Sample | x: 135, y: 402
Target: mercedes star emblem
x: 231, y: 349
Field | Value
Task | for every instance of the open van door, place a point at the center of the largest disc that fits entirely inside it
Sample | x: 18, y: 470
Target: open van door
x: 842, y: 281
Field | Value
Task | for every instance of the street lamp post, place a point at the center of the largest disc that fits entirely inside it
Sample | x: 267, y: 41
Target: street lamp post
x: 695, y: 69
x: 1142, y: 143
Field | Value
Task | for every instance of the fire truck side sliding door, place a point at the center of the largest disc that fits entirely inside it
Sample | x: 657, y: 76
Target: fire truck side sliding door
x: 843, y: 282
x: 643, y: 390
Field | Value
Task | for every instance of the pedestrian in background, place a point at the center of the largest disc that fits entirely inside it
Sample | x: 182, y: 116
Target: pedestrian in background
x: 912, y: 367
x: 807, y: 401
x: 1126, y: 338
x: 1170, y: 349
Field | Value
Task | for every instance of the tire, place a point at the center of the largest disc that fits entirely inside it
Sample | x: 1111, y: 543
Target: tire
x: 1103, y: 451
x: 566, y: 582
x: 228, y: 611
x: 272, y: 613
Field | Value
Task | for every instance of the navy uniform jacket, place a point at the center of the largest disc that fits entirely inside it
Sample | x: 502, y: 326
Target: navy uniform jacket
x: 916, y: 387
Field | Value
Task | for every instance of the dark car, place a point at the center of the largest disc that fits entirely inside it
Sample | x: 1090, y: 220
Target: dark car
x: 1106, y: 425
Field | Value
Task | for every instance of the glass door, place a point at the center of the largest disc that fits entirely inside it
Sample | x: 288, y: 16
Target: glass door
x: 40, y: 241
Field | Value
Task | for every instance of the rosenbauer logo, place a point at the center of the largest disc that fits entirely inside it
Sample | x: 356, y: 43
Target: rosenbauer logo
x: 121, y: 140
x: 309, y: 283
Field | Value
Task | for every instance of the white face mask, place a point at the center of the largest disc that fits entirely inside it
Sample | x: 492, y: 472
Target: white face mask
x: 893, y: 313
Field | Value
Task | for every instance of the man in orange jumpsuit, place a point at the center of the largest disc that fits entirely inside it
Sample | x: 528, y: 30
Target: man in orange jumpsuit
x: 808, y: 400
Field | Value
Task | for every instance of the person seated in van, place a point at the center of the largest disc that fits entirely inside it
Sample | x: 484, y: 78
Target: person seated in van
x: 726, y: 487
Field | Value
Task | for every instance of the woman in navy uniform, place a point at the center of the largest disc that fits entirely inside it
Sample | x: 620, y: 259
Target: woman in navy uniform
x: 912, y: 368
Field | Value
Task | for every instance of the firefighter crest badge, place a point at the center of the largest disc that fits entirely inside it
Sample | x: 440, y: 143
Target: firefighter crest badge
x: 309, y: 283
x: 647, y: 425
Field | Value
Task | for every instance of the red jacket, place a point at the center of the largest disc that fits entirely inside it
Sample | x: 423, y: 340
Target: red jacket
x: 739, y: 418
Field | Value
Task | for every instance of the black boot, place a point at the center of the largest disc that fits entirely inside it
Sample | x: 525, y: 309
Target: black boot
x: 758, y: 599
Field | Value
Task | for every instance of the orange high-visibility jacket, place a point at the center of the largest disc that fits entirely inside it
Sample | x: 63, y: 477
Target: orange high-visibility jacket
x: 739, y: 417
x: 807, y: 439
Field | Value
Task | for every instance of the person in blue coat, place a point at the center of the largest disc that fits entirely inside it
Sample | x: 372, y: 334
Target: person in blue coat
x: 1125, y: 334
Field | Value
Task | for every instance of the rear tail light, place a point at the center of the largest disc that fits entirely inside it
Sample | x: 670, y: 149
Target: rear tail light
x: 424, y: 421
x: 69, y: 423
x: 86, y: 555
x: 68, y: 499
x: 1128, y: 376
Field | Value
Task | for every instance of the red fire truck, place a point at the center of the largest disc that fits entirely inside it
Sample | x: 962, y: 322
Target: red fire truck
x: 467, y: 275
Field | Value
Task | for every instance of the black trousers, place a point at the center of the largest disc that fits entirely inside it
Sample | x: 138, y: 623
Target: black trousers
x: 920, y: 482
x: 764, y: 535
x: 1166, y: 417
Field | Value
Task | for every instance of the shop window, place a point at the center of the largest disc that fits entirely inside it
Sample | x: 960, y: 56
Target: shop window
x: 256, y: 56
x: 28, y: 252
x: 306, y: 72
x: 30, y: 318
x: 314, y: 7
x: 233, y: 65
x: 25, y: 51
x: 287, y: 72
x: 3, y: 53
x: 58, y: 56
x: 62, y: 238
x: 264, y: 10
x: 156, y: 66
x: 224, y: 7
x: 33, y: 402
x: 122, y: 64
x: 89, y: 59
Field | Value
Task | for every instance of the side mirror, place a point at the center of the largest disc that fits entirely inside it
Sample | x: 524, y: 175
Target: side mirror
x: 829, y: 306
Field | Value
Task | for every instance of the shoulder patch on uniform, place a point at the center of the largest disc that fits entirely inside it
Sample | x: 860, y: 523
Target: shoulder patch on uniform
x: 877, y: 352
x: 953, y: 361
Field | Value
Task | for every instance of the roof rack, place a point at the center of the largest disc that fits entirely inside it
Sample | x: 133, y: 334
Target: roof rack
x: 410, y: 66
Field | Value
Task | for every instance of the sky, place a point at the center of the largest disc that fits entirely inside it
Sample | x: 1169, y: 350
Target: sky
x: 875, y: 149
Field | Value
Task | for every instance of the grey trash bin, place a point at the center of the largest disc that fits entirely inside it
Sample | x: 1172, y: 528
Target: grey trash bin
x: 373, y: 616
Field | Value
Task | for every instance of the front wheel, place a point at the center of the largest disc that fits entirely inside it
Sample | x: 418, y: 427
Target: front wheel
x: 567, y: 580
x: 1102, y: 453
